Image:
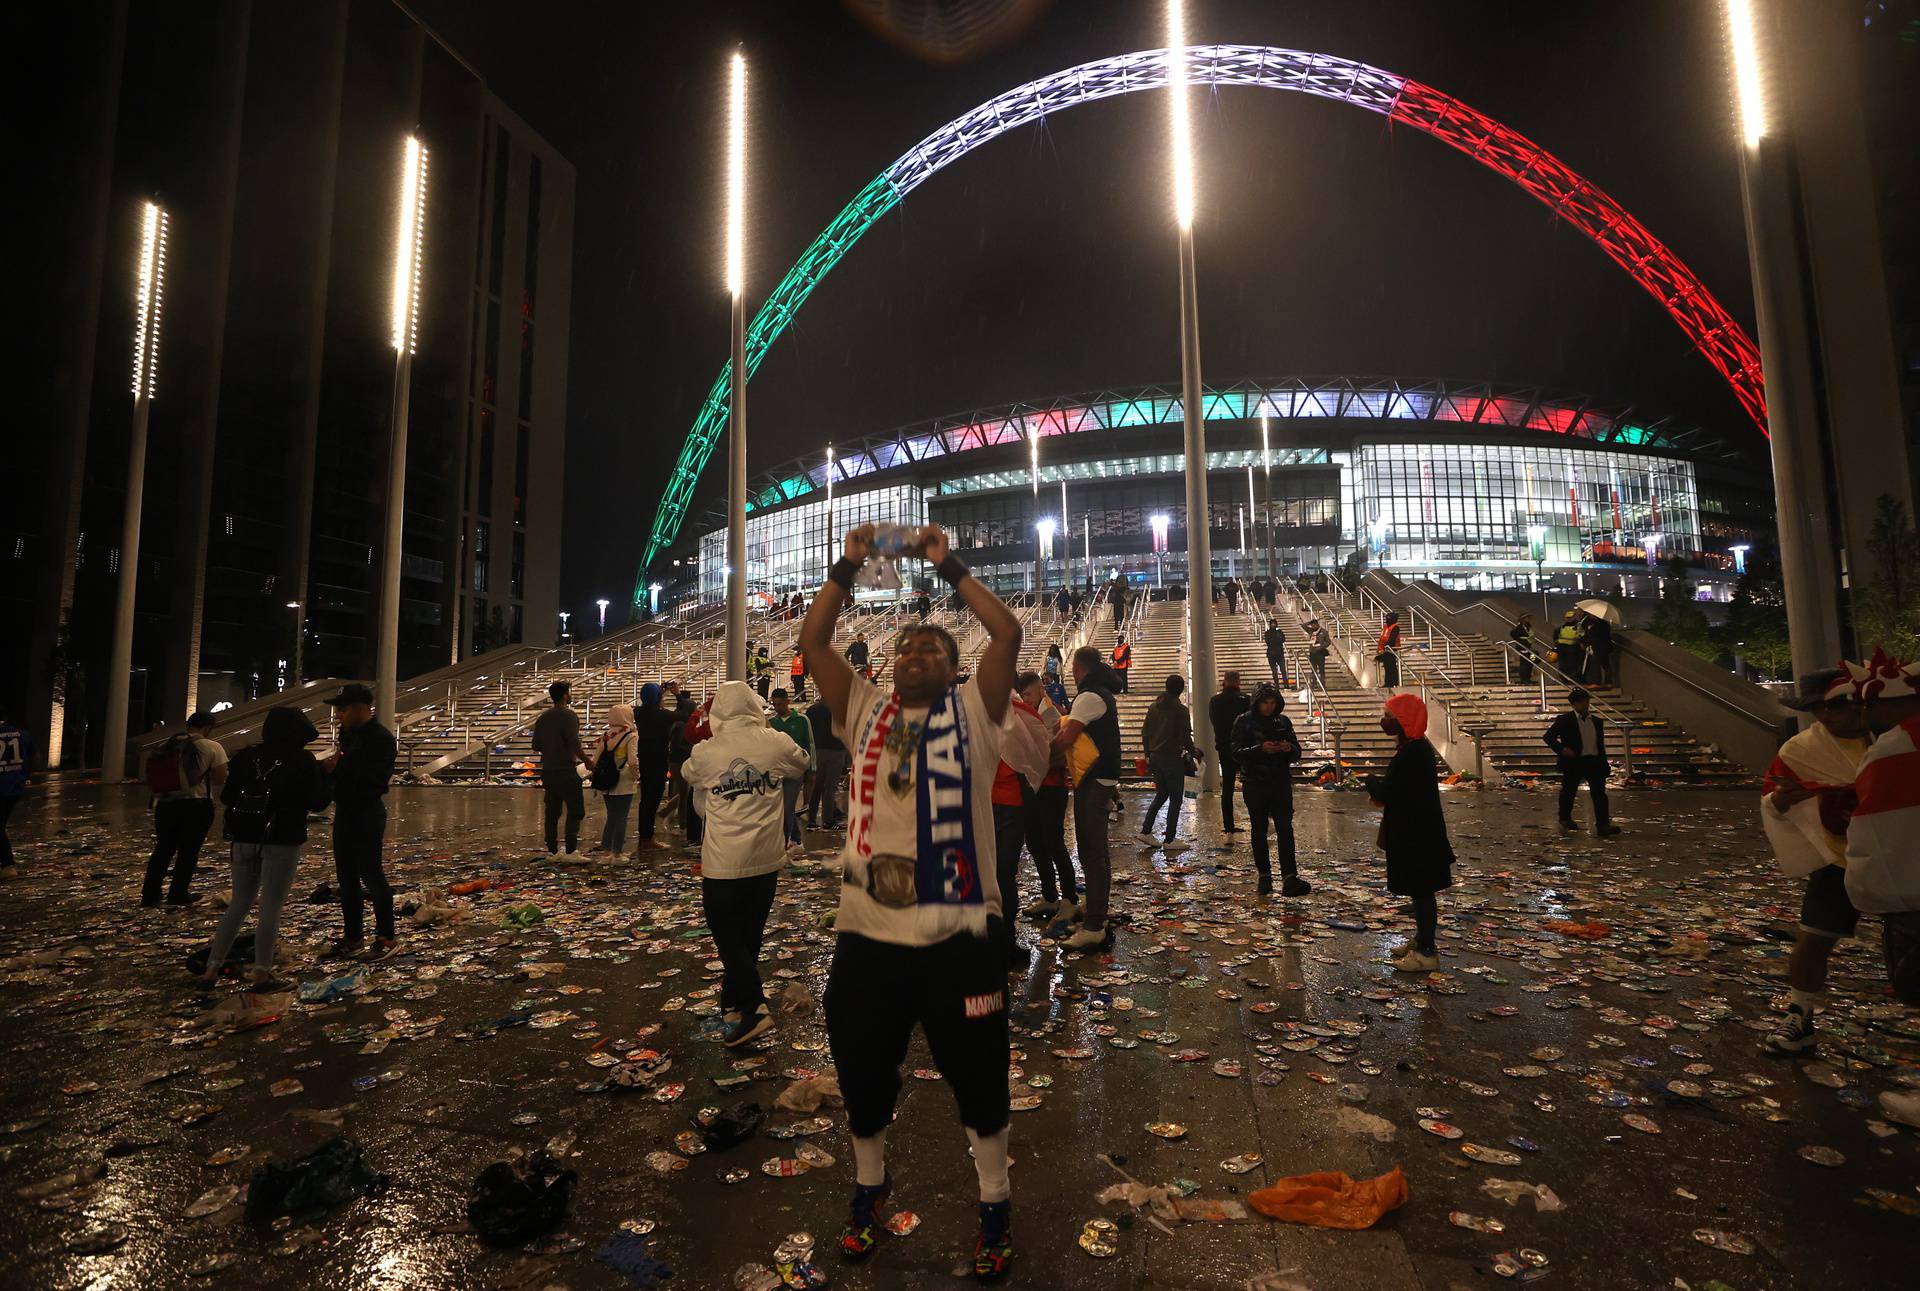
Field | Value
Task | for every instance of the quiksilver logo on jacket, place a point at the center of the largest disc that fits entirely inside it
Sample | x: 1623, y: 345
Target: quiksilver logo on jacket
x: 742, y: 778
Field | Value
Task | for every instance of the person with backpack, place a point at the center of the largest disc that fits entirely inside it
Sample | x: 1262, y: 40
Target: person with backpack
x: 556, y: 738
x: 182, y: 775
x: 362, y: 768
x: 615, y: 774
x: 271, y: 788
x: 16, y: 755
x: 736, y: 775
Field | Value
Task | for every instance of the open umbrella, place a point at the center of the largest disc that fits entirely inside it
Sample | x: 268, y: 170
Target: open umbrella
x: 1600, y: 610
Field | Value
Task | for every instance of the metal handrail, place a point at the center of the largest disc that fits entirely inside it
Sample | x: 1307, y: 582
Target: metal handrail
x: 1332, y: 730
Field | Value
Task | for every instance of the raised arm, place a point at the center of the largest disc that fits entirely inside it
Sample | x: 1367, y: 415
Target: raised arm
x: 833, y: 673
x: 1000, y: 661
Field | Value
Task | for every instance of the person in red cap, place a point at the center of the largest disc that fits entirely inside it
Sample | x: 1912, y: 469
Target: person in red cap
x: 1413, y: 829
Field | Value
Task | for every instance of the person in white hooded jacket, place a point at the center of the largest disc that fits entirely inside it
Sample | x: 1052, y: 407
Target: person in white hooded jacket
x: 736, y: 779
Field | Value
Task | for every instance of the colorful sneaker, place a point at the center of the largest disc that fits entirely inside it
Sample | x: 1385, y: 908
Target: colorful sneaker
x: 993, y: 1249
x: 862, y: 1231
x: 1797, y: 1036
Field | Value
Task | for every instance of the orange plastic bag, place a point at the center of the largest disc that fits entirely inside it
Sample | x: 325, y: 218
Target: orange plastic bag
x: 470, y: 887
x: 1572, y: 928
x: 1331, y: 1199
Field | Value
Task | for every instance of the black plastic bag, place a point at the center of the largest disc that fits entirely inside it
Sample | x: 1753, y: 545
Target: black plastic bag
x: 241, y: 952
x: 517, y: 1200
x: 733, y: 1126
x: 332, y: 1174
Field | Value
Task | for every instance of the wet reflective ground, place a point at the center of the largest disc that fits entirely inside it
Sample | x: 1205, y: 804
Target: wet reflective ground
x: 1530, y: 1041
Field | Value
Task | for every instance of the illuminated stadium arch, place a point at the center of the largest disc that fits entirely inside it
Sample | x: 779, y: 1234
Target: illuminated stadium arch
x: 1625, y: 240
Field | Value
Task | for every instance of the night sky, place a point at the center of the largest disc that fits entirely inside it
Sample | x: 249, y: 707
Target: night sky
x: 1043, y: 263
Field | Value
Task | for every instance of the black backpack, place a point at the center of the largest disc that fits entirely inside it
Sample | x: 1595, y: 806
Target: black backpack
x: 606, y: 769
x: 250, y: 814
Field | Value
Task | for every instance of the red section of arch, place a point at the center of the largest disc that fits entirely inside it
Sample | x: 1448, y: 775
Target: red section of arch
x: 1721, y: 340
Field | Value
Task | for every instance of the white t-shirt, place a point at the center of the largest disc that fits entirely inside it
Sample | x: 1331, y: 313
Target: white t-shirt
x: 883, y: 823
x: 199, y: 765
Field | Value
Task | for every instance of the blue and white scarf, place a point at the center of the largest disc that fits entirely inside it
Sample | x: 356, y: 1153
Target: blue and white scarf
x: 947, y: 866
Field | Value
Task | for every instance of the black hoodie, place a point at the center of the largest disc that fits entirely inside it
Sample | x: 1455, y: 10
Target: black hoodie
x: 1258, y: 768
x: 272, y: 785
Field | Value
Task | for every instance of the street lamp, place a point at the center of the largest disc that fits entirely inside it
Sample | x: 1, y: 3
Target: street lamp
x: 1739, y: 552
x: 564, y: 616
x: 653, y: 598
x: 1193, y: 410
x: 409, y: 246
x: 149, y: 290
x: 1033, y: 477
x: 1159, y: 522
x: 1045, y: 529
x: 603, y: 602
x: 737, y: 370
x: 1066, y: 538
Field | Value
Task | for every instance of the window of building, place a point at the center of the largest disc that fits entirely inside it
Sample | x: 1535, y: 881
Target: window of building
x: 481, y: 532
x: 497, y: 253
x: 519, y: 566
x: 521, y: 440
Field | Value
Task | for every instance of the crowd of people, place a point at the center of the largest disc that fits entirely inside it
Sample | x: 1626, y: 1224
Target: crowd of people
x: 938, y: 781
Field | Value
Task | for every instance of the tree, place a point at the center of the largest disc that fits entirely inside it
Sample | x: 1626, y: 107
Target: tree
x: 1886, y: 605
x: 1680, y: 619
x: 1756, y: 628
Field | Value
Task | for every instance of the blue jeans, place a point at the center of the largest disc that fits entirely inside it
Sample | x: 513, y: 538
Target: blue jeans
x: 1169, y: 786
x: 614, y: 836
x: 264, y: 870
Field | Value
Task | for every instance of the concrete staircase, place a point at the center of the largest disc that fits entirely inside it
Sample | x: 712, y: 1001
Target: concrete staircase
x: 1338, y: 725
x: 1477, y: 675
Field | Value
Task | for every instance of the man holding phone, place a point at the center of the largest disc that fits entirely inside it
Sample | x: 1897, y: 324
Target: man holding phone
x: 920, y: 907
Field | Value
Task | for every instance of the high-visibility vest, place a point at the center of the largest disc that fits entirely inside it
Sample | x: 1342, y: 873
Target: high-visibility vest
x: 1123, y: 656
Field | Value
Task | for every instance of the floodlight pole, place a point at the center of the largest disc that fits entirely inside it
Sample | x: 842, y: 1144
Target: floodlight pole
x: 1809, y: 574
x: 737, y: 441
x: 1192, y: 407
x: 408, y: 246
x: 149, y: 295
x: 1266, y: 468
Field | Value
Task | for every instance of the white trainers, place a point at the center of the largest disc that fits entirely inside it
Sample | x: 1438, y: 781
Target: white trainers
x: 1090, y: 939
x: 1399, y: 948
x: 1415, y: 962
x: 1177, y: 845
x: 1043, y: 911
x: 1146, y: 839
x: 1902, y: 1105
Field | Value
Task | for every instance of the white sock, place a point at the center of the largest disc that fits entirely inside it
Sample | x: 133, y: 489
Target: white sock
x: 1805, y: 1000
x: 870, y: 1160
x: 990, y: 1163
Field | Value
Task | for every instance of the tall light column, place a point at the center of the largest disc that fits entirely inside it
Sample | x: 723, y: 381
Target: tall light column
x: 1266, y: 466
x: 409, y: 245
x: 1066, y: 538
x: 1033, y: 477
x: 149, y: 290
x: 1808, y: 534
x: 830, y: 556
x: 737, y: 443
x: 1199, y: 545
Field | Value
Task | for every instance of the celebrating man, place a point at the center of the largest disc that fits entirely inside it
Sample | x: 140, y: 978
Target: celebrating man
x: 919, y: 897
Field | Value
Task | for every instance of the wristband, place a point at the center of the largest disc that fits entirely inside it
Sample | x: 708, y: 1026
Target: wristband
x: 952, y: 570
x: 841, y: 572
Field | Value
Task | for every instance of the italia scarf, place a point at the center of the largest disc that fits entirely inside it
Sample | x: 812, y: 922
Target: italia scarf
x: 946, y: 864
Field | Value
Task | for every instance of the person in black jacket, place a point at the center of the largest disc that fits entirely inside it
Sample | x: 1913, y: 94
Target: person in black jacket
x: 1265, y: 749
x: 653, y: 737
x: 1223, y: 710
x: 1579, y: 739
x: 270, y: 789
x: 1413, y: 829
x: 679, y: 749
x: 362, y: 769
x: 1275, y: 638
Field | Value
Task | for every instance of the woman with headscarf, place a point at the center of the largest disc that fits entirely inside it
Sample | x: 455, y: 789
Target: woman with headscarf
x: 1413, y: 830
x: 617, y: 744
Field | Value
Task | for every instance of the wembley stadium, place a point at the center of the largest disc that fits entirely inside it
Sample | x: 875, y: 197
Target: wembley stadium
x: 1475, y: 486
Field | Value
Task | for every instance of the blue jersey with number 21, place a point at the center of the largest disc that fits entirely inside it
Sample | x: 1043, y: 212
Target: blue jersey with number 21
x: 14, y: 751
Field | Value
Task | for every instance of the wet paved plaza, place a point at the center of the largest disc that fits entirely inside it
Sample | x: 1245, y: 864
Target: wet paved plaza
x: 1593, y: 1029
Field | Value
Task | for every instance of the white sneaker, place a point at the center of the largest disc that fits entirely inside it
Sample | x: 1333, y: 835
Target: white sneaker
x: 1177, y: 845
x: 1089, y: 939
x: 1067, y: 912
x: 1399, y: 948
x: 1415, y: 962
x: 1042, y: 910
x: 1902, y: 1106
x: 1146, y: 839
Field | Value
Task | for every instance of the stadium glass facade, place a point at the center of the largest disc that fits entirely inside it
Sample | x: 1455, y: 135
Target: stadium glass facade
x: 1451, y: 484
